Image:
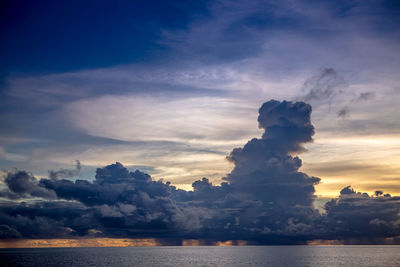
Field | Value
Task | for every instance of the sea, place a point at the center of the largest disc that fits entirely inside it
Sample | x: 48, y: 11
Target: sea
x: 318, y: 256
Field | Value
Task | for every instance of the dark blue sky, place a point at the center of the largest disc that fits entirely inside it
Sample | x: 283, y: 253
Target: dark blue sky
x: 55, y: 36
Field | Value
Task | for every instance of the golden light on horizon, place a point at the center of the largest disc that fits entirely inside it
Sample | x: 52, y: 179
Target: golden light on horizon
x: 367, y: 163
x: 110, y: 242
x: 84, y: 242
x: 231, y: 243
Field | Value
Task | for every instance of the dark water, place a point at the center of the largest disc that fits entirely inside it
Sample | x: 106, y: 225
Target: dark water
x: 205, y: 256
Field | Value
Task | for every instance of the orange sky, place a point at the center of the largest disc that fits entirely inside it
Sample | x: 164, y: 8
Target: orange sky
x: 104, y: 242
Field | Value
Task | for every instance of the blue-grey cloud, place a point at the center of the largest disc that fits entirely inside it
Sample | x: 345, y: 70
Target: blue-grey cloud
x: 361, y: 218
x: 264, y: 200
x: 66, y: 173
x: 22, y: 184
x: 344, y: 112
x: 323, y: 86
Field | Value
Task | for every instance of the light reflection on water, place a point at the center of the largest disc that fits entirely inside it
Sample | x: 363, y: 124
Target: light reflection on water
x: 205, y: 256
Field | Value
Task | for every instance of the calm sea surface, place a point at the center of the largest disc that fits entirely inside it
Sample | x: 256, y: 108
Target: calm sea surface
x: 205, y: 256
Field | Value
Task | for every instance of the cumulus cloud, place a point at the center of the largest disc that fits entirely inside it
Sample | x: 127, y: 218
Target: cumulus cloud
x: 358, y: 216
x: 265, y: 199
x: 22, y: 184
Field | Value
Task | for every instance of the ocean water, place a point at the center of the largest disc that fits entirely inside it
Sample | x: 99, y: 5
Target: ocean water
x: 205, y: 256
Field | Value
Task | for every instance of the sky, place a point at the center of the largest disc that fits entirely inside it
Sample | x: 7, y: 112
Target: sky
x: 238, y: 110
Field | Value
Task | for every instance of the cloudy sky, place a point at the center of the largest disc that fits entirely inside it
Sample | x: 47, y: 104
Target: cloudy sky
x: 172, y: 87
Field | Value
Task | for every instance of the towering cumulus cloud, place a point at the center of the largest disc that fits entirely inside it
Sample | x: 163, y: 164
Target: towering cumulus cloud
x: 264, y: 200
x: 266, y: 176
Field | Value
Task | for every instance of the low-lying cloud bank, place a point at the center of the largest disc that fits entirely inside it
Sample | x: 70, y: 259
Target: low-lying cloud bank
x: 265, y: 199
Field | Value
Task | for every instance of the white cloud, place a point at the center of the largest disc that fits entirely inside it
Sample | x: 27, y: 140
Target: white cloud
x: 145, y: 118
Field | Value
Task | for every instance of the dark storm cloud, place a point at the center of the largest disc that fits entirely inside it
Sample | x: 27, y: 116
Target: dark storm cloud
x: 42, y: 219
x: 265, y: 199
x: 356, y: 215
x: 22, y: 184
x: 286, y: 124
x: 8, y: 232
x: 265, y: 166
